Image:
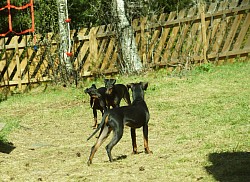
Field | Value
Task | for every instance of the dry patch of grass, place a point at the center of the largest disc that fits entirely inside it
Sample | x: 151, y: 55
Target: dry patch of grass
x: 199, y: 131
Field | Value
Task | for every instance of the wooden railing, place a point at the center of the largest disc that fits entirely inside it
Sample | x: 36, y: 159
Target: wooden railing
x: 217, y: 32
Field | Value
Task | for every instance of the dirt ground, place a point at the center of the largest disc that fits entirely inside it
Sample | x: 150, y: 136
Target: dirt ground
x: 51, y: 146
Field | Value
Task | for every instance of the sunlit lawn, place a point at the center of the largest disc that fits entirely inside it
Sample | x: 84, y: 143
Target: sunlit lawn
x: 199, y: 131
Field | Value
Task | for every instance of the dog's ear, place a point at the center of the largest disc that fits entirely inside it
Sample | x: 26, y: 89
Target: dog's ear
x: 105, y: 80
x: 86, y: 90
x: 130, y: 85
x: 144, y: 85
x: 93, y: 86
x: 112, y: 81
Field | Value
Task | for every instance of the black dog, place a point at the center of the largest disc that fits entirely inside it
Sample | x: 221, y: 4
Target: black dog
x: 134, y: 116
x: 97, y: 100
x: 115, y: 93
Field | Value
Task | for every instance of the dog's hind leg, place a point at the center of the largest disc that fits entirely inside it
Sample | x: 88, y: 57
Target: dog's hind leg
x: 116, y: 138
x: 133, y: 137
x: 103, y: 135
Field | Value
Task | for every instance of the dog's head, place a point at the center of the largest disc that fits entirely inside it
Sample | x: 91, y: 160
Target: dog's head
x: 138, y: 89
x: 92, y: 91
x: 109, y: 84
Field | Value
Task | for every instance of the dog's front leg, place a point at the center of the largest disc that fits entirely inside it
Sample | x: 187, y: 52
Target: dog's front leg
x: 95, y: 117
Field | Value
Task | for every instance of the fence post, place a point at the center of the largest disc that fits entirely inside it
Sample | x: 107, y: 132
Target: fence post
x: 203, y: 29
x: 143, y: 22
x: 19, y: 74
x: 6, y: 64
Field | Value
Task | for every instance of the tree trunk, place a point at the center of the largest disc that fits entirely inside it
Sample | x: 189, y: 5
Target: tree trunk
x: 64, y: 32
x: 131, y: 59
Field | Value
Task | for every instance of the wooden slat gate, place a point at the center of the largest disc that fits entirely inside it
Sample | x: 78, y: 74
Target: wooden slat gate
x: 216, y: 32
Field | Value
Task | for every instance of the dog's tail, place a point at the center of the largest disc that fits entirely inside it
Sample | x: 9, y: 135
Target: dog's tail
x: 104, y: 120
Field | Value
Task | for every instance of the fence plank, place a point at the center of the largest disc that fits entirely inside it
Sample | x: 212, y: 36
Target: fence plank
x: 243, y: 32
x: 154, y: 40
x: 137, y: 35
x: 7, y: 67
x: 203, y: 31
x: 232, y: 33
x: 183, y: 33
x: 163, y: 38
x: 191, y: 37
x: 93, y: 47
x: 25, y: 57
x: 89, y: 62
x: 12, y: 60
x: 114, y: 59
x: 210, y: 21
x: 79, y: 40
x: 143, y: 39
x: 198, y: 44
x: 102, y: 44
x: 83, y: 53
x: 106, y: 59
x: 19, y: 74
x: 81, y: 34
x: 247, y: 45
x: 221, y: 29
x: 3, y: 62
x: 172, y: 38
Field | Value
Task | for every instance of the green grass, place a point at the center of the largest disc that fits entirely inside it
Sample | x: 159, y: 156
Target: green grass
x: 199, y: 131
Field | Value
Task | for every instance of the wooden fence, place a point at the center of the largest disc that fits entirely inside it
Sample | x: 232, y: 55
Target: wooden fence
x: 216, y: 32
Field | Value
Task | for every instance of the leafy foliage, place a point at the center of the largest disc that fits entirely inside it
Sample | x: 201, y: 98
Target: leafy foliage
x: 87, y: 13
x: 206, y: 67
x: 46, y: 16
x: 84, y: 13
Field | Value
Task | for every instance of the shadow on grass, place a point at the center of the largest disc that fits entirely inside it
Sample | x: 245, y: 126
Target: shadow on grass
x: 6, y: 147
x: 230, y: 166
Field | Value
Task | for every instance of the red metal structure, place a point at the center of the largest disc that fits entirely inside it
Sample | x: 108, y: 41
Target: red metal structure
x: 9, y: 6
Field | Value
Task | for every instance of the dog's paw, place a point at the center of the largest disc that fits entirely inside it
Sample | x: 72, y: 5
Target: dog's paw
x: 148, y: 152
x: 89, y: 162
x: 134, y: 152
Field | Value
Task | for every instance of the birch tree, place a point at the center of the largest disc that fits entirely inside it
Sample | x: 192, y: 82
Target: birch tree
x: 131, y: 60
x: 64, y: 32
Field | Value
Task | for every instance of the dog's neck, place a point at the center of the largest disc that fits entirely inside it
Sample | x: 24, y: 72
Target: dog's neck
x: 138, y: 95
x: 137, y: 98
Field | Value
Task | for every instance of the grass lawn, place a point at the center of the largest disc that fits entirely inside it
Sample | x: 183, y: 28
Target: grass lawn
x: 199, y: 130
